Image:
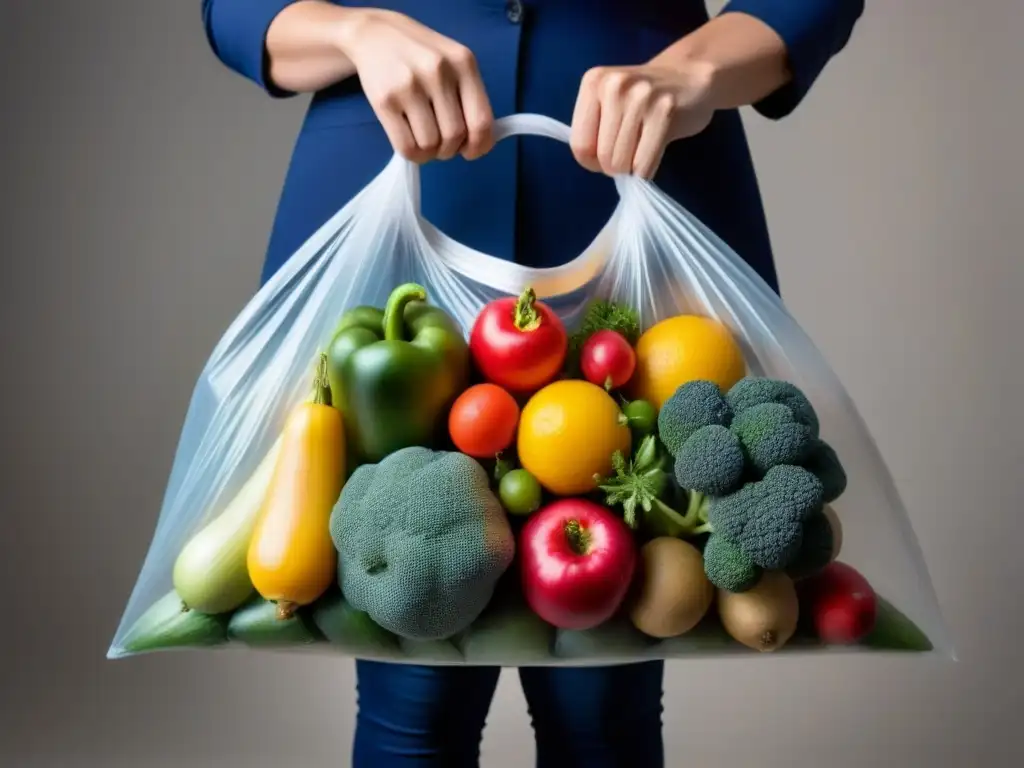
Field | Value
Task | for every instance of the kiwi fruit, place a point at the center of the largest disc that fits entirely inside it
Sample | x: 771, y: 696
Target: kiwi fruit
x: 837, y: 530
x: 673, y: 592
x: 763, y: 618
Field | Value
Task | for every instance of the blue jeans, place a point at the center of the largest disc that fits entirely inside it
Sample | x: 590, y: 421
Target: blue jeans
x: 427, y: 717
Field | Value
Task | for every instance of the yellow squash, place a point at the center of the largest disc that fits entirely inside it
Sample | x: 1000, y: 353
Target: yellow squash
x: 292, y: 560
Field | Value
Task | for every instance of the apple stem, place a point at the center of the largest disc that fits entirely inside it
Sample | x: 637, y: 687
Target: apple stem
x: 579, y: 541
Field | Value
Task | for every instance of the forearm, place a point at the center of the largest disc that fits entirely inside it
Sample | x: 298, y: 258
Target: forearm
x: 742, y: 56
x: 305, y: 45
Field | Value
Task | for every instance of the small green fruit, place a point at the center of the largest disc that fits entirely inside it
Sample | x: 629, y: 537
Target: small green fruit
x: 520, y: 493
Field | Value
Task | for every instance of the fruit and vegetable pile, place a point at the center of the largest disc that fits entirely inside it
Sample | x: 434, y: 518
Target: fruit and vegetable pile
x: 530, y: 494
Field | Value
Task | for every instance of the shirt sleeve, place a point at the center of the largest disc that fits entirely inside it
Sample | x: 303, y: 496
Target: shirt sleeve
x: 813, y: 30
x: 237, y: 32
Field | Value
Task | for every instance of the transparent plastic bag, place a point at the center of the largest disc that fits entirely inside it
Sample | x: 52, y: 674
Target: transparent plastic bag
x: 652, y: 256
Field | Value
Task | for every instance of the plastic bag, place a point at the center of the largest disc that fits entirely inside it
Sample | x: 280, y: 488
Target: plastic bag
x: 473, y: 606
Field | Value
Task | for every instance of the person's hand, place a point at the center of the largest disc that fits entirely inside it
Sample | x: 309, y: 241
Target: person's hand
x: 626, y: 116
x: 425, y: 88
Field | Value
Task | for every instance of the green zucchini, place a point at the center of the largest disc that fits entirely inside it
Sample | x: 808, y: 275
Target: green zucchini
x: 257, y: 624
x: 169, y: 624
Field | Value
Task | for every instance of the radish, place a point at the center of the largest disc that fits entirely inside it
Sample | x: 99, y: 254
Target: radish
x: 607, y: 359
x: 841, y: 604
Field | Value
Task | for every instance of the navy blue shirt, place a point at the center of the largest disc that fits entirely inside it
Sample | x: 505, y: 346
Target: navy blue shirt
x: 528, y: 199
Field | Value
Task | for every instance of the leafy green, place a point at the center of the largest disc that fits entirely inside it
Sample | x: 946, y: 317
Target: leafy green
x: 639, y: 486
x: 636, y: 482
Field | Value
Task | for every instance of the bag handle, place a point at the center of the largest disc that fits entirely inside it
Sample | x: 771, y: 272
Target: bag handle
x: 506, y: 276
x: 527, y: 124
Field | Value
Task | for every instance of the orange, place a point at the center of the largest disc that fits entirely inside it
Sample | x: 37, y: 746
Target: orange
x: 681, y: 349
x: 568, y: 432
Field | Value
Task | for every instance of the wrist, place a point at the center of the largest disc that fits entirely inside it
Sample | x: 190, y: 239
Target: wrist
x: 735, y: 58
x: 699, y: 74
x: 349, y: 27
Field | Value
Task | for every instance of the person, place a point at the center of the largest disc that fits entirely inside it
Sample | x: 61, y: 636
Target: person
x: 649, y: 88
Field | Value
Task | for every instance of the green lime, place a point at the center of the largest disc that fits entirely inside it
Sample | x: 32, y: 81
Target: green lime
x: 519, y: 492
x: 641, y: 416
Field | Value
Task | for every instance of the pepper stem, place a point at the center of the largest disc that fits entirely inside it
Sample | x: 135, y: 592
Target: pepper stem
x: 394, y: 310
x: 321, y: 382
x: 579, y: 539
x: 526, y: 317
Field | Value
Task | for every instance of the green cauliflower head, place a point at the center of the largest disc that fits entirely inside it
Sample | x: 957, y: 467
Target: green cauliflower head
x: 421, y: 541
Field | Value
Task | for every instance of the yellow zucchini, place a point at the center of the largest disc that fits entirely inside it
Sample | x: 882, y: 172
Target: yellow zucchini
x: 291, y: 559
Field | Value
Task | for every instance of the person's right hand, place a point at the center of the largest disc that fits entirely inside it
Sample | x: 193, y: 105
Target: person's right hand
x: 425, y: 88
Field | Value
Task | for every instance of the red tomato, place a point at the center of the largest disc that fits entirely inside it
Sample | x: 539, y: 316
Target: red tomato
x: 483, y: 420
x: 607, y: 360
x: 519, y: 344
x: 841, y: 603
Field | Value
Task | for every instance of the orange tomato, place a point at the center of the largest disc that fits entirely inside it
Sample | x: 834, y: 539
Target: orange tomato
x: 483, y: 420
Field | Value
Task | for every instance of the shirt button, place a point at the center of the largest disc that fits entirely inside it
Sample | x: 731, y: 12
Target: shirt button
x: 514, y: 11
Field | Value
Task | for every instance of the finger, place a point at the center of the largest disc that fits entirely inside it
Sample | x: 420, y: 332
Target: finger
x: 471, y: 102
x: 612, y: 113
x: 608, y: 133
x: 397, y: 129
x: 586, y: 120
x: 419, y: 113
x: 624, y: 149
x: 650, y: 148
x: 477, y: 115
x: 447, y: 107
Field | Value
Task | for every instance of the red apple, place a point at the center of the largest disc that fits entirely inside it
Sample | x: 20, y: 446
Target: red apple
x: 841, y: 604
x: 577, y: 560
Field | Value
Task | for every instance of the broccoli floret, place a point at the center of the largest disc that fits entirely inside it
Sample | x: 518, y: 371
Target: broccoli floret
x: 765, y: 518
x: 771, y: 435
x: 694, y: 405
x: 755, y: 390
x: 816, y: 547
x: 727, y: 567
x: 823, y: 461
x: 711, y: 461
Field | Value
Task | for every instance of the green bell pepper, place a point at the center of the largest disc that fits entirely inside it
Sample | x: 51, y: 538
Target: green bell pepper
x: 395, y: 372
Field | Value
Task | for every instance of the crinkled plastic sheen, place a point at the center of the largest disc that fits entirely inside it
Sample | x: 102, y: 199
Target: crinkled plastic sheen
x: 652, y: 255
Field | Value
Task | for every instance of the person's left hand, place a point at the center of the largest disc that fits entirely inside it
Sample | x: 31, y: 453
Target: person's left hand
x: 626, y: 116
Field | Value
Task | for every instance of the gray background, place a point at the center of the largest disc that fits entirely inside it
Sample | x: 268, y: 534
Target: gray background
x: 139, y: 179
